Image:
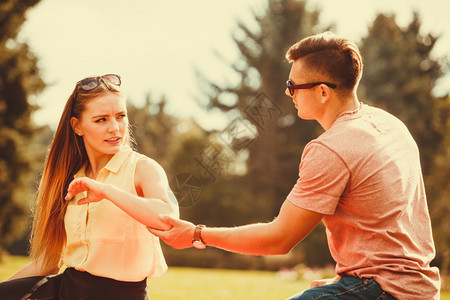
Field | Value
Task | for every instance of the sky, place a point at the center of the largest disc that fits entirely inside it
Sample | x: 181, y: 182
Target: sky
x: 157, y: 46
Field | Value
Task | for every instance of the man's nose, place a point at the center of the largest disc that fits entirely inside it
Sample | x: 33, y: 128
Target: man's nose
x: 286, y: 91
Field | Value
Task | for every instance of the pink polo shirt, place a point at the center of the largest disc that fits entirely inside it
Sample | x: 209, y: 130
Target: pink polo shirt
x: 104, y: 240
x: 364, y: 174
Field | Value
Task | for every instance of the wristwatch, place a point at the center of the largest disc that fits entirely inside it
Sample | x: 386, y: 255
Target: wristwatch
x: 197, y: 241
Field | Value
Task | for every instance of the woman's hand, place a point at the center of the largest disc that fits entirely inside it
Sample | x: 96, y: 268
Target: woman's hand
x: 94, y: 189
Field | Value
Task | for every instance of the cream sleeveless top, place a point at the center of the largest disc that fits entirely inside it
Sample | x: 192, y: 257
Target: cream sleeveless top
x: 105, y: 241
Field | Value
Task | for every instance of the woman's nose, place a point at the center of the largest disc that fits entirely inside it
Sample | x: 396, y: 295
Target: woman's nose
x: 113, y: 126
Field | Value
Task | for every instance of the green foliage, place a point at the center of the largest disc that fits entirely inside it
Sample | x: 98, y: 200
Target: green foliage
x: 438, y: 184
x: 19, y: 79
x: 263, y: 72
x: 153, y: 129
x: 181, y: 146
x: 274, y: 154
x: 234, y: 179
x: 11, y: 212
x: 312, y: 248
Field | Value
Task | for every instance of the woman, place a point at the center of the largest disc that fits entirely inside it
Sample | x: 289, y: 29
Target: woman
x: 96, y: 223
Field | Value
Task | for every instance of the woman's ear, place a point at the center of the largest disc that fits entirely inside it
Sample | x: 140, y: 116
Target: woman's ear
x: 75, y: 123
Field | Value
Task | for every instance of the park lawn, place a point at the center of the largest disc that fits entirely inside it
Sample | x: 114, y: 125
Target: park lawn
x: 193, y: 283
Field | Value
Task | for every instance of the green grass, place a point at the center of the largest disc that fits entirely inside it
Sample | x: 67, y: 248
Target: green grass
x: 192, y: 283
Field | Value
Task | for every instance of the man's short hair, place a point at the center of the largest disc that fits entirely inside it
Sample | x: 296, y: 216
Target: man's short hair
x: 329, y: 57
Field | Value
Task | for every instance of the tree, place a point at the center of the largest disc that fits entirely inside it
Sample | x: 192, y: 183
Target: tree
x: 202, y: 174
x: 275, y: 151
x: 178, y: 145
x: 438, y: 185
x: 267, y: 126
x: 153, y: 129
x: 19, y: 79
x: 400, y: 74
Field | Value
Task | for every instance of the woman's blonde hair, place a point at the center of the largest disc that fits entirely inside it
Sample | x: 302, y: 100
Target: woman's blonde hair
x: 66, y: 156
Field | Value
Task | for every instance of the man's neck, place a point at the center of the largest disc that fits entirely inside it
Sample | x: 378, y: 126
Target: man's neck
x: 338, y: 107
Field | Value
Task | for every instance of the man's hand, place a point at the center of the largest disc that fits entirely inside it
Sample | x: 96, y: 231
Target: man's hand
x: 179, y: 236
x: 94, y: 189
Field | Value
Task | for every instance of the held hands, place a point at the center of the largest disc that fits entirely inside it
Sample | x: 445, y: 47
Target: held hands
x: 179, y: 236
x: 94, y: 189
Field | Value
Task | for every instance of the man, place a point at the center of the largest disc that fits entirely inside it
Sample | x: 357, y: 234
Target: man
x: 361, y: 177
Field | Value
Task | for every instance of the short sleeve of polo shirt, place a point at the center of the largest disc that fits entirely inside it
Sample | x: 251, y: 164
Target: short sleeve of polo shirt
x: 323, y: 177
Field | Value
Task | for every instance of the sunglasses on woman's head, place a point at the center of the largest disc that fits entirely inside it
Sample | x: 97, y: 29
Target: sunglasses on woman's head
x: 90, y: 83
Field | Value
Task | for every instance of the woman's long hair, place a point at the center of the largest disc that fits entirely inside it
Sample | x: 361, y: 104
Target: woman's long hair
x: 66, y: 156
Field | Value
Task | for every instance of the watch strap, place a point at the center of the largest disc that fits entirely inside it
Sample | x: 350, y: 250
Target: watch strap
x: 198, y: 233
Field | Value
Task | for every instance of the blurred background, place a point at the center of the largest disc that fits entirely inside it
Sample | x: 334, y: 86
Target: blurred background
x: 205, y: 83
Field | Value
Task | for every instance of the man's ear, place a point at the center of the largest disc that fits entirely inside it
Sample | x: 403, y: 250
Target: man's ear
x: 75, y: 123
x: 325, y: 93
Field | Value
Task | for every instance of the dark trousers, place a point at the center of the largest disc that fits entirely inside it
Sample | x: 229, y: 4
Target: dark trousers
x: 72, y: 285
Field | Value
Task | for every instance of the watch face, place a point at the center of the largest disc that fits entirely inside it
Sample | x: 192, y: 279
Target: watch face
x: 199, y: 244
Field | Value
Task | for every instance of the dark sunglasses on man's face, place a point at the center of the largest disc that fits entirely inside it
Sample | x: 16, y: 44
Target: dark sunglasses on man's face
x: 292, y: 87
x: 90, y: 83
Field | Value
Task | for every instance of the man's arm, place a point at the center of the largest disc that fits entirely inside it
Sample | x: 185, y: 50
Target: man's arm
x: 290, y: 227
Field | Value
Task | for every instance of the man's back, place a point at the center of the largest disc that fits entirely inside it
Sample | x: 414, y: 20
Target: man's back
x: 364, y: 174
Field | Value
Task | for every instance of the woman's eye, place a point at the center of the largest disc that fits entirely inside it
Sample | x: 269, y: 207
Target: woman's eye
x: 100, y: 120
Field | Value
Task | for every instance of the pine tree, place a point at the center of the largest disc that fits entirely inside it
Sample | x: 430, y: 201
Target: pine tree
x: 275, y: 150
x: 267, y: 128
x: 19, y: 79
x: 153, y: 129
